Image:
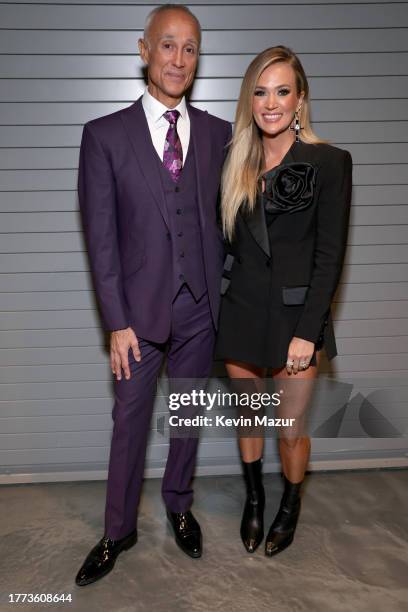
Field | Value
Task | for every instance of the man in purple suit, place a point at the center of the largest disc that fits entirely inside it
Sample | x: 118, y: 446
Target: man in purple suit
x: 148, y: 184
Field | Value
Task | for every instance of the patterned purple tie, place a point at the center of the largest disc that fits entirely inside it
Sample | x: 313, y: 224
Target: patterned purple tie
x: 173, y: 152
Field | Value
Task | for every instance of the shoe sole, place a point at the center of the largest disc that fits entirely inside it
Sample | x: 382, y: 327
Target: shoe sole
x: 107, y: 571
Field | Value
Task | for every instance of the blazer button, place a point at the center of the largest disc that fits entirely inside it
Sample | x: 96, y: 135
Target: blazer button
x: 177, y: 189
x: 168, y: 236
x: 179, y: 211
x: 268, y: 264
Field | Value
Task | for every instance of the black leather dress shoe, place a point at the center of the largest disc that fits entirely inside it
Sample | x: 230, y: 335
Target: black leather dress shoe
x: 102, y: 557
x: 187, y: 532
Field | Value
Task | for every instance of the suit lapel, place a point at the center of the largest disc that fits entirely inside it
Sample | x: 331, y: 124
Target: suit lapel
x: 256, y: 221
x: 137, y: 129
x: 256, y: 224
x: 199, y: 135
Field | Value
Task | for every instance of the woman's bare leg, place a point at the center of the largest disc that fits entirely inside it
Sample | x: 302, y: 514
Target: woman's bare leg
x: 249, y: 378
x: 251, y: 447
x: 295, y: 450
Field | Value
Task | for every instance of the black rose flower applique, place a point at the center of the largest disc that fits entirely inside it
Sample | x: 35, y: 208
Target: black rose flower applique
x: 289, y: 188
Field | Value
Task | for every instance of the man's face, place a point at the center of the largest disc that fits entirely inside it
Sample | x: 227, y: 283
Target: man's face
x: 171, y: 54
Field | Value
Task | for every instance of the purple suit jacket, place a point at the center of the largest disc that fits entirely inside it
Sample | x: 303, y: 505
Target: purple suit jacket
x: 126, y: 223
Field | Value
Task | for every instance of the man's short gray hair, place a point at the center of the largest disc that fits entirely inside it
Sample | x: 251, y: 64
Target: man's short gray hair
x: 168, y: 7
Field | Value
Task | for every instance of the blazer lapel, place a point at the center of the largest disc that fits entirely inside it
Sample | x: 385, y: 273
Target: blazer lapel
x: 256, y: 221
x: 199, y: 135
x: 137, y: 129
x: 256, y: 224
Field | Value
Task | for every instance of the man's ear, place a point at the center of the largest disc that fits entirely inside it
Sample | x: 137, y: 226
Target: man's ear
x: 143, y: 50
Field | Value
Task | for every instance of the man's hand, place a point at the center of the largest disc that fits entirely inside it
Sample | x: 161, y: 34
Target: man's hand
x: 300, y: 353
x: 121, y: 341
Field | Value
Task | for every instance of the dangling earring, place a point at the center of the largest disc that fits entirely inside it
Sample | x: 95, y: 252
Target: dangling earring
x: 297, y: 127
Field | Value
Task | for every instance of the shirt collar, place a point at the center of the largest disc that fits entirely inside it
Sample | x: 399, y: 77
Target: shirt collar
x: 156, y: 109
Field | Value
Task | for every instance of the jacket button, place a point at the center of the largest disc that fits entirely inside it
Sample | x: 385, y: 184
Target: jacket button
x: 177, y: 189
x: 168, y: 236
x: 268, y: 264
x: 179, y: 211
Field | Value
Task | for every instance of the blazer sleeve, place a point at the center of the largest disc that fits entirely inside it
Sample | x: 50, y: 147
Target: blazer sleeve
x: 228, y: 136
x: 97, y: 202
x: 332, y: 226
x: 227, y: 140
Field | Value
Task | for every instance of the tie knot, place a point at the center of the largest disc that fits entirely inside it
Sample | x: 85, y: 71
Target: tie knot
x: 172, y: 116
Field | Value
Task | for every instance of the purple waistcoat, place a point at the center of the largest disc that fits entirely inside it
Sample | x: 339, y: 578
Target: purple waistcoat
x: 185, y: 234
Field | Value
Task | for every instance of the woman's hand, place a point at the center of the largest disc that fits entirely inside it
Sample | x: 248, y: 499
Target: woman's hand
x: 300, y: 353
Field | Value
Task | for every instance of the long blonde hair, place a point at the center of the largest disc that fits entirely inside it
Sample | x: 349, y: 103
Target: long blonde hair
x: 245, y: 158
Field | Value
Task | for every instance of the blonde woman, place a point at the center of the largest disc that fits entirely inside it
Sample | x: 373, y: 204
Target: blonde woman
x: 285, y: 209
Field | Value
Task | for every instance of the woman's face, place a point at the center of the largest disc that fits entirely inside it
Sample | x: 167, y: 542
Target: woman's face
x: 276, y: 99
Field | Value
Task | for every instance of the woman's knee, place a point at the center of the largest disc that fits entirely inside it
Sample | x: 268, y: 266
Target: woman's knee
x: 293, y: 442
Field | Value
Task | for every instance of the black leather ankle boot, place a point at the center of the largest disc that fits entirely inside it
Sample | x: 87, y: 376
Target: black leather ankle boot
x: 252, y: 525
x: 282, y: 530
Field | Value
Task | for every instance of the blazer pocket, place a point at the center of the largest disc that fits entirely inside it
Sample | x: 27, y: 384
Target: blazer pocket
x: 294, y: 296
x: 226, y: 273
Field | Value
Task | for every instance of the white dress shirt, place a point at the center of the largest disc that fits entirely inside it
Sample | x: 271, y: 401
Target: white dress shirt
x: 158, y: 125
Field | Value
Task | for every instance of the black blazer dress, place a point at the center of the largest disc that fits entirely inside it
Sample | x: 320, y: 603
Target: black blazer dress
x: 283, y: 266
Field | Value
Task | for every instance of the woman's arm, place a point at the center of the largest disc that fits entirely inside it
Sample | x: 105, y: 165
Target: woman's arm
x: 332, y: 226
